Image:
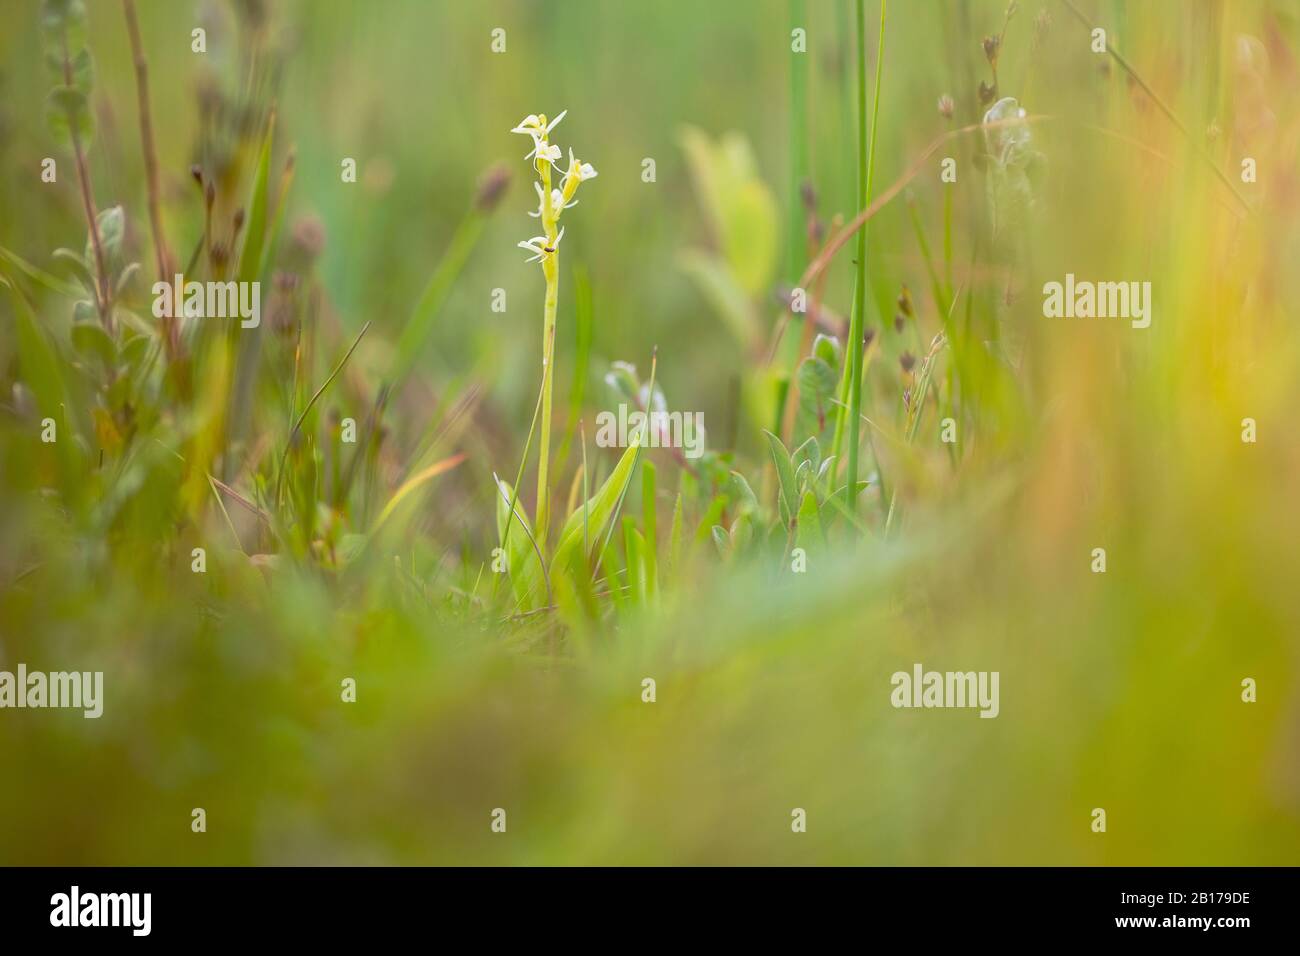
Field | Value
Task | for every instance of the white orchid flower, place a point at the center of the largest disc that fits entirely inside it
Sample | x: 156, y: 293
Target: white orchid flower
x: 583, y: 171
x: 547, y: 151
x: 540, y: 130
x: 558, y: 204
x: 576, y: 174
x: 534, y: 126
x: 540, y: 246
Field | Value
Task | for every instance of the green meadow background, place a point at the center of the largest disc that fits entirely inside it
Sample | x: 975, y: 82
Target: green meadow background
x: 1119, y: 690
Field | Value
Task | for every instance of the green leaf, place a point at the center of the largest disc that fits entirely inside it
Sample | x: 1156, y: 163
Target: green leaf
x: 742, y: 534
x: 599, y: 510
x: 634, y: 546
x: 743, y: 494
x: 63, y: 22
x: 649, y: 522
x: 81, y: 68
x: 818, y: 383
x: 90, y: 339
x: 741, y: 209
x: 67, y: 113
x: 83, y: 310
x: 787, y: 493
x: 582, y: 314
x: 40, y: 276
x: 809, y: 534
x: 80, y: 266
x: 712, y: 515
x: 722, y: 540
x: 522, y: 562
x: 250, y: 259
x: 38, y: 367
x: 623, y: 382
x: 111, y: 223
x: 124, y: 278
x: 133, y: 351
x: 350, y: 547
x: 827, y: 348
x: 675, y: 536
x: 809, y: 453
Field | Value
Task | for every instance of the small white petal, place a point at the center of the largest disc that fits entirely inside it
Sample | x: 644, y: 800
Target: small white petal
x: 531, y: 125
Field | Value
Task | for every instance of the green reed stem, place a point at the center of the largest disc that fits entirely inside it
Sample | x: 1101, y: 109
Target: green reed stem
x: 866, y: 164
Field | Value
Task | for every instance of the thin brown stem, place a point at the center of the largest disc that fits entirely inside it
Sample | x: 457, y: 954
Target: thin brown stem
x: 88, y: 202
x: 1160, y: 104
x: 162, y: 253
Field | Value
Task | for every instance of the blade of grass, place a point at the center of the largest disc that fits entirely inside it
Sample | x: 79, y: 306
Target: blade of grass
x: 293, y: 432
x: 582, y: 313
x: 866, y: 166
x: 414, y: 482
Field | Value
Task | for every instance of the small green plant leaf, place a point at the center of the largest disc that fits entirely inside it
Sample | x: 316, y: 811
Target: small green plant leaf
x: 124, y: 278
x: 597, y: 512
x: 623, y: 382
x: 522, y: 562
x: 90, y: 339
x: 250, y: 259
x: 742, y: 534
x: 67, y: 114
x: 83, y: 310
x: 634, y: 546
x: 787, y: 493
x: 79, y: 266
x: 133, y: 351
x: 81, y: 68
x: 63, y: 23
x: 827, y: 348
x: 675, y: 536
x: 742, y: 493
x: 809, y: 535
x: 111, y: 223
x: 741, y: 208
x: 818, y: 382
x: 722, y: 540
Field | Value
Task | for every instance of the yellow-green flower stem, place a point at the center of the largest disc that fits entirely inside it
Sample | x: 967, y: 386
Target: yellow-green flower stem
x: 551, y: 270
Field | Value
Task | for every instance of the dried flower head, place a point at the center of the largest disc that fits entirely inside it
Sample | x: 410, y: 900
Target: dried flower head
x: 808, y: 195
x: 491, y: 186
x: 991, y: 46
x: 905, y: 300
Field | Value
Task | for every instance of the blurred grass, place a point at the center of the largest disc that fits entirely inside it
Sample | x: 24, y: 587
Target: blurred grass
x: 1118, y: 690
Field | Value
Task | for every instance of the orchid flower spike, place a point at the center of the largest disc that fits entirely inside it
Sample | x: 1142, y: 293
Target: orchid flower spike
x: 539, y: 247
